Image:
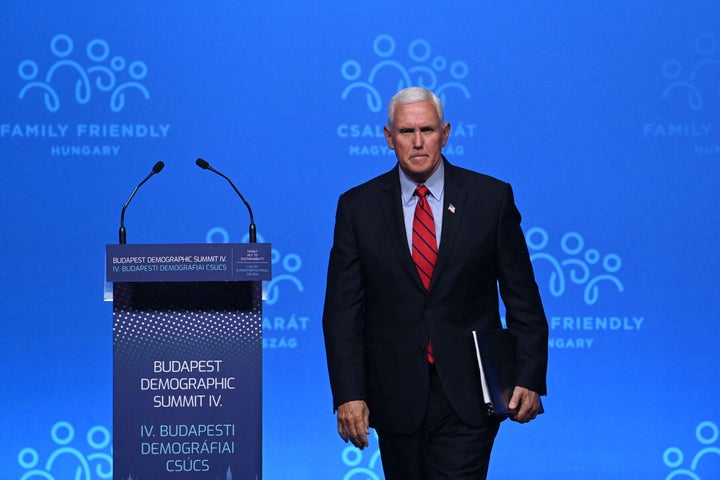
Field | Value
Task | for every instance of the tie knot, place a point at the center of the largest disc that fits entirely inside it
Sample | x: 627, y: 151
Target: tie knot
x: 421, y: 191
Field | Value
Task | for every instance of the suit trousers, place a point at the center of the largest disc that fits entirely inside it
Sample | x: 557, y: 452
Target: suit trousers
x: 443, y: 447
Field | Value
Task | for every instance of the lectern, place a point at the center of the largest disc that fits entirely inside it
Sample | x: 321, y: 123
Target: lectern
x: 187, y: 360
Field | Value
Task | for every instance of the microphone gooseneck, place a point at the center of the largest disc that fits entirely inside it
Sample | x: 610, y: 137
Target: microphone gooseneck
x: 123, y: 235
x: 253, y: 230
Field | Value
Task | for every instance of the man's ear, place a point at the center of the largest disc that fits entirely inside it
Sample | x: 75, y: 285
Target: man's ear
x: 388, y: 138
x: 446, y: 133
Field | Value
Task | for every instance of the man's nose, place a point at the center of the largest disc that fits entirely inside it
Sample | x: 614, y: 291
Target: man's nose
x: 418, y: 140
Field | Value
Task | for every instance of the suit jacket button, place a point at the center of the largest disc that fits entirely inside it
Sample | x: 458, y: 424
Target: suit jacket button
x: 427, y: 304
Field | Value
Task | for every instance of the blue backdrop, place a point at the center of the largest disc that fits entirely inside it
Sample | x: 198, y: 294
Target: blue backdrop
x: 602, y: 115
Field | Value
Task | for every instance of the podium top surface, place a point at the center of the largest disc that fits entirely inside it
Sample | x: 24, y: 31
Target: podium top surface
x: 188, y: 262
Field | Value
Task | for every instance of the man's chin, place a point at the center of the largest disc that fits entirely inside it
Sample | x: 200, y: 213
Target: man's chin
x: 419, y: 168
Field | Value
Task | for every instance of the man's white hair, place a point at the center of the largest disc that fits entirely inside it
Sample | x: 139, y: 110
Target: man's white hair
x: 414, y: 95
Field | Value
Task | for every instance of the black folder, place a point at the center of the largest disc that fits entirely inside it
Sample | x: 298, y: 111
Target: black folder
x: 495, y: 350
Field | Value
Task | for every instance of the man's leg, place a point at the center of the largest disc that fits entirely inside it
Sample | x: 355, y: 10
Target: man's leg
x: 402, y: 455
x: 455, y: 450
x: 444, y: 447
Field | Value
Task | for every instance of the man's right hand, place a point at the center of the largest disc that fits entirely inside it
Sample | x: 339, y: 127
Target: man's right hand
x: 354, y: 422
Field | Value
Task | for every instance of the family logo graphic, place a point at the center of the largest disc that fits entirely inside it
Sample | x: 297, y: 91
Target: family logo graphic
x: 110, y: 76
x: 353, y: 457
x: 291, y: 263
x: 701, y: 467
x: 279, y: 330
x: 570, y: 263
x: 698, y: 82
x: 424, y: 72
x: 387, y: 71
x: 100, y: 83
x: 575, y: 264
x: 68, y: 461
x: 689, y: 98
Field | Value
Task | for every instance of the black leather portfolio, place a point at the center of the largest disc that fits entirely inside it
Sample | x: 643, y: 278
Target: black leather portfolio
x: 495, y: 351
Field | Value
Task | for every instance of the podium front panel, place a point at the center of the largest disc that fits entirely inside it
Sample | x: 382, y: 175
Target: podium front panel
x: 187, y: 380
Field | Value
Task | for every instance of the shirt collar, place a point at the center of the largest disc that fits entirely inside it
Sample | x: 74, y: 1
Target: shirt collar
x: 436, y: 184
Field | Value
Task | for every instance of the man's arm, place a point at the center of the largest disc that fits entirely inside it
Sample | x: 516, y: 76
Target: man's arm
x: 343, y: 327
x: 524, y: 312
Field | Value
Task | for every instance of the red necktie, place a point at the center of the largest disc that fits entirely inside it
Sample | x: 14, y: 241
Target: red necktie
x: 424, y: 245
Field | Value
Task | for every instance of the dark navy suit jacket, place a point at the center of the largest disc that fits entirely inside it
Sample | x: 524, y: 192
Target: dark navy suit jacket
x: 378, y: 316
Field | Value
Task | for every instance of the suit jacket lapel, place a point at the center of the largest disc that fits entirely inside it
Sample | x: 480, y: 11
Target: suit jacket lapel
x: 454, y: 200
x: 391, y: 208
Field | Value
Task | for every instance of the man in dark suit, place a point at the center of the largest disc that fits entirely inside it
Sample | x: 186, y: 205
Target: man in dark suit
x: 417, y: 259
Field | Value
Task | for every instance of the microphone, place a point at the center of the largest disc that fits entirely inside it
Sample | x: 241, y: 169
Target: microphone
x: 206, y: 166
x: 156, y: 169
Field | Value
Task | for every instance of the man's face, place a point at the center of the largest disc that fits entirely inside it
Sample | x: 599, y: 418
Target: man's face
x: 418, y: 137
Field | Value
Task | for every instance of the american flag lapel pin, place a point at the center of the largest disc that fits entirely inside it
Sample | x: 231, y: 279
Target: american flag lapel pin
x: 451, y: 207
